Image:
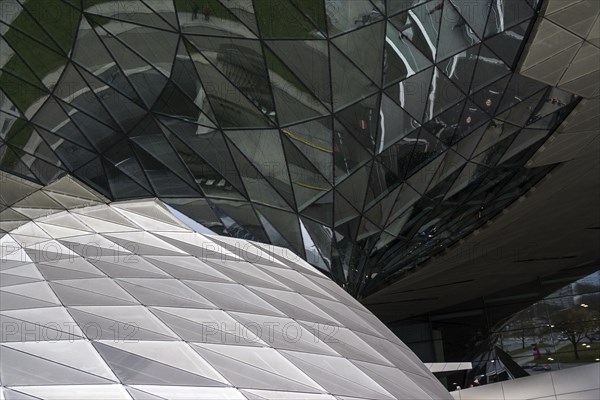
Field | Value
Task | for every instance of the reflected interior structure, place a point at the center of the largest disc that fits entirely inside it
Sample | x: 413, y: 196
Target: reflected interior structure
x: 366, y: 136
x: 123, y: 301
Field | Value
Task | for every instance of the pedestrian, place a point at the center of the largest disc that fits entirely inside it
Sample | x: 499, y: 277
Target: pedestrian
x: 206, y: 11
x: 195, y: 10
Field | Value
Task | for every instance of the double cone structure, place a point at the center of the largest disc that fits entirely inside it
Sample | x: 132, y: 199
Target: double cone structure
x: 123, y: 301
x: 364, y: 135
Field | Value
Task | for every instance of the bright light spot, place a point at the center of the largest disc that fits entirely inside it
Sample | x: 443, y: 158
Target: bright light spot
x: 551, y: 326
x: 550, y: 359
x: 584, y: 305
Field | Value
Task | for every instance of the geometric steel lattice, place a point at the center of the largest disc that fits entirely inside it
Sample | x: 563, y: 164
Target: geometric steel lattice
x: 123, y: 301
x: 364, y: 135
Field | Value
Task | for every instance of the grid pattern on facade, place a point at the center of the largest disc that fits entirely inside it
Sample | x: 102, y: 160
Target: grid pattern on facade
x: 123, y: 301
x: 364, y: 135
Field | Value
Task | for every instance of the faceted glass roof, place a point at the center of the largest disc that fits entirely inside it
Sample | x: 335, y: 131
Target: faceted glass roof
x: 364, y: 135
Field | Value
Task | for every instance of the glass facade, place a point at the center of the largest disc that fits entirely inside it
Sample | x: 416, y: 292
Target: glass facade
x: 364, y: 135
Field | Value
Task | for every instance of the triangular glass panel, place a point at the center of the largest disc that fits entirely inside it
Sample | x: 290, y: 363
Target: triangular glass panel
x: 344, y: 211
x: 489, y: 97
x: 72, y: 89
x: 164, y: 181
x: 148, y: 135
x: 307, y: 181
x: 411, y: 93
x: 360, y: 119
x: 348, y: 83
x: 137, y: 13
x: 199, y: 211
x: 394, y: 124
x: 490, y: 157
x: 257, y: 187
x: 524, y: 112
x: 525, y: 139
x: 231, y: 107
x: 314, y: 140
x: 466, y: 146
x: 361, y: 13
x: 211, y: 18
x: 513, y: 12
x: 89, y: 55
x: 173, y: 102
x: 209, y: 145
x: 160, y: 55
x: 426, y: 148
x: 286, y: 224
x: 398, y: 65
x: 122, y: 102
x: 309, y: 62
x: 284, y: 21
x: 475, y: 14
x: 381, y: 181
x: 459, y: 68
x: 443, y: 94
x: 239, y: 219
x: 489, y: 69
x: 472, y: 118
x: 94, y: 175
x: 149, y: 82
x: 293, y: 100
x: 211, y: 182
x: 355, y: 186
x: 364, y: 47
x: 455, y: 34
x: 53, y: 118
x: 101, y: 136
x: 15, y: 88
x: 185, y: 77
x: 28, y: 26
x: 70, y: 154
x: 520, y: 87
x: 123, y: 158
x: 419, y: 26
x: 321, y: 209
x: 508, y: 43
x: 348, y: 154
x: 317, y: 242
x: 237, y: 60
x: 314, y: 11
x: 396, y: 158
x: 422, y: 177
x: 244, y: 11
x: 380, y: 211
x: 260, y: 146
x: 444, y: 125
